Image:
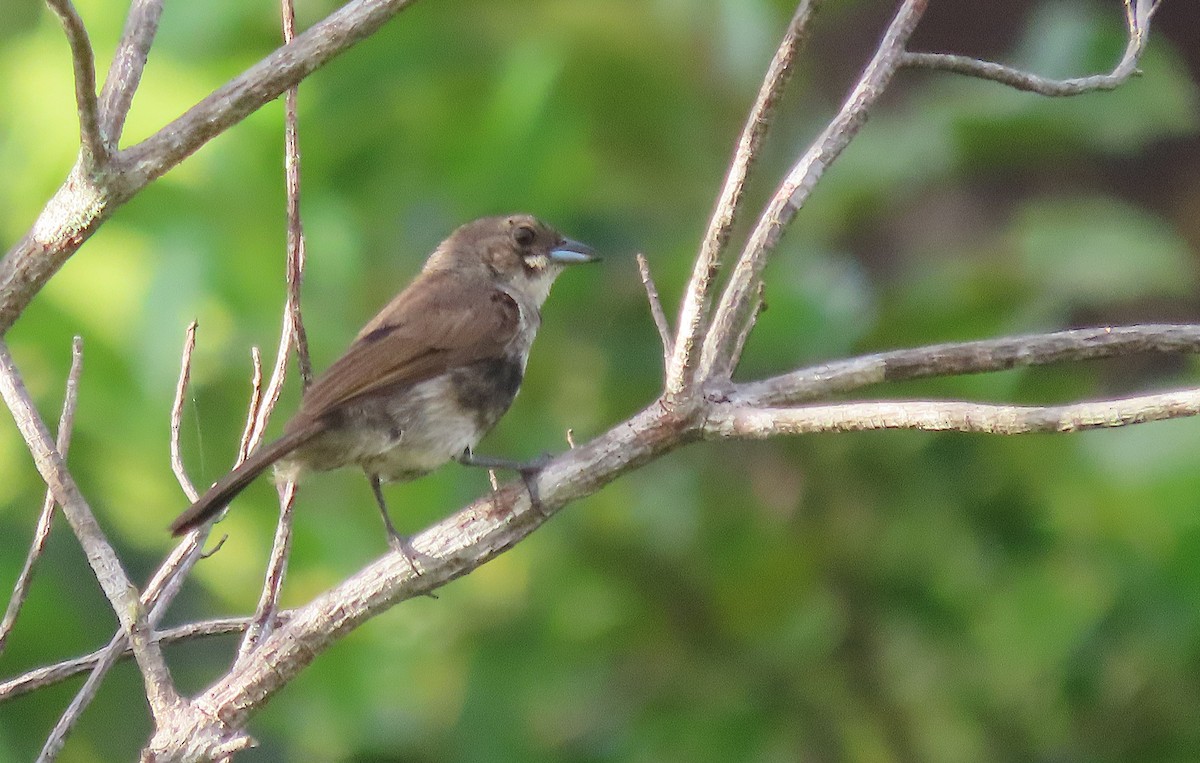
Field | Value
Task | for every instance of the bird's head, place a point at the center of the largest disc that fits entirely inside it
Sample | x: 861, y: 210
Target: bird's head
x: 515, y: 251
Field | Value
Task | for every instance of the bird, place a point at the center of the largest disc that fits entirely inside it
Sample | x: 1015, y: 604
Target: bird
x: 428, y: 376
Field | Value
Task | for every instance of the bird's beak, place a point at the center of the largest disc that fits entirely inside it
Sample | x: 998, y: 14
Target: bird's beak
x: 570, y: 252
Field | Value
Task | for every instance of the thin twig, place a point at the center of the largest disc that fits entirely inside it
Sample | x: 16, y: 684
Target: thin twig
x: 656, y: 310
x: 842, y: 376
x: 256, y: 392
x: 125, y: 71
x: 726, y: 421
x: 296, y: 248
x: 760, y: 304
x: 270, y: 395
x: 697, y: 301
x: 66, y: 421
x: 185, y: 373
x: 61, y: 671
x: 113, y: 580
x: 264, y: 618
x: 268, y: 603
x: 717, y: 360
x: 1137, y: 19
x: 95, y: 152
x: 158, y: 595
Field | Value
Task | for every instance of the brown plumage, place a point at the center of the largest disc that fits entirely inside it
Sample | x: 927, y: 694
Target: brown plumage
x: 429, y: 375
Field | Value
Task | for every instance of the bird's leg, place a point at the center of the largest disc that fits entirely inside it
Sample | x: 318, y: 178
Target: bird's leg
x: 401, y: 544
x: 527, y: 469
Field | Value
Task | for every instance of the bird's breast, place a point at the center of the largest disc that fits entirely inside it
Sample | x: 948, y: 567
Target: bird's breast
x: 487, y: 388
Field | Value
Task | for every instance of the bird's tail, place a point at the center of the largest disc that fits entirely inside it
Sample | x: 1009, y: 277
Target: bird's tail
x: 226, y: 488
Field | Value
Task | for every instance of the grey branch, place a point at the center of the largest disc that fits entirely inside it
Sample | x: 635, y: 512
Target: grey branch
x: 705, y: 352
x: 295, y: 338
x: 66, y: 421
x: 113, y: 580
x: 736, y: 306
x: 656, y: 311
x: 125, y: 72
x: 1137, y: 19
x: 185, y: 373
x: 61, y: 671
x: 843, y: 376
x: 95, y: 153
x: 734, y: 315
x: 728, y: 420
x: 86, y: 199
x: 697, y: 301
x: 477, y: 533
x: 245, y: 444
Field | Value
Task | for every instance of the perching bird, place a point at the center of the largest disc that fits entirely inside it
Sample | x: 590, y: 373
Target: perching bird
x: 429, y: 375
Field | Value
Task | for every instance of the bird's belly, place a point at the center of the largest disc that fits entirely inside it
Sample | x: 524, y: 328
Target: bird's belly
x: 404, y: 435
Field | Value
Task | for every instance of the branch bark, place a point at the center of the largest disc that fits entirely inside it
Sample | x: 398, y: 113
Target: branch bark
x: 86, y: 199
x: 107, y: 567
x: 699, y: 399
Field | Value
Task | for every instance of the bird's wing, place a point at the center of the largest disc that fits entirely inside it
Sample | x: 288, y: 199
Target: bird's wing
x: 438, y: 323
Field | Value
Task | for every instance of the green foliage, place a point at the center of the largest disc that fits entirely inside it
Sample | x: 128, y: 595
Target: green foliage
x: 882, y: 596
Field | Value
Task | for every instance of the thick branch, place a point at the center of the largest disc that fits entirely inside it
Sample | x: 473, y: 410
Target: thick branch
x: 260, y: 84
x: 462, y: 542
x: 84, y: 202
x: 455, y: 546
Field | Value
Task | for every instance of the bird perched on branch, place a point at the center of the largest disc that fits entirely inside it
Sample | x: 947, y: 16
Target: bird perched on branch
x: 428, y: 376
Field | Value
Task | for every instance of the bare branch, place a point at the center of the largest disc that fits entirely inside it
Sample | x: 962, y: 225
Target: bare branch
x: 718, y: 360
x: 726, y: 420
x: 83, y: 202
x: 274, y: 386
x: 125, y: 72
x: 95, y: 152
x: 968, y: 358
x: 113, y: 580
x: 462, y: 542
x: 758, y: 306
x: 59, y: 672
x: 268, y: 604
x: 244, y: 445
x: 296, y: 249
x: 694, y: 313
x: 159, y: 593
x: 185, y: 373
x: 263, y: 621
x: 656, y: 310
x: 66, y: 421
x: 260, y: 84
x: 1137, y: 18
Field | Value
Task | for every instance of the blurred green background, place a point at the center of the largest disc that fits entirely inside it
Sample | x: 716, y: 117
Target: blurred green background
x: 868, y: 597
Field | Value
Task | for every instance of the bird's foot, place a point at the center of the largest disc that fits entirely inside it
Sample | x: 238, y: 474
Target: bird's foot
x: 529, y: 470
x: 402, y: 545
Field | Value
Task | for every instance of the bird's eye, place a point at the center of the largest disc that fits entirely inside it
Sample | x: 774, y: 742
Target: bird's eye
x: 524, y: 235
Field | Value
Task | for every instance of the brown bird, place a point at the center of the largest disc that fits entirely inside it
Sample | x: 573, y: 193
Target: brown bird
x: 429, y: 375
